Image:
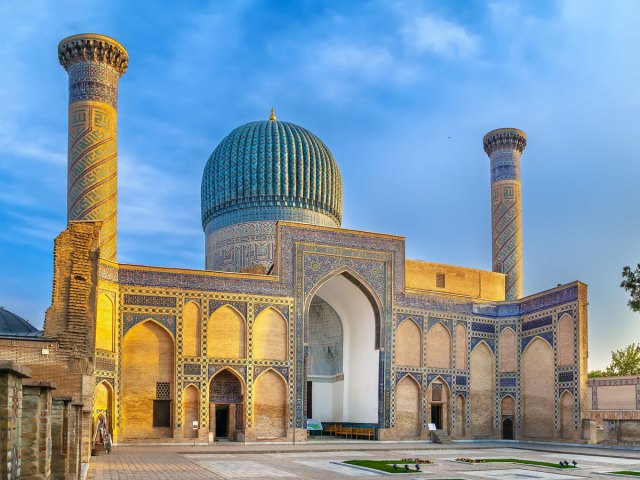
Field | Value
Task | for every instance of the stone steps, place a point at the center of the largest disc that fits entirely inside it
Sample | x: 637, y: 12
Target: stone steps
x: 440, y: 436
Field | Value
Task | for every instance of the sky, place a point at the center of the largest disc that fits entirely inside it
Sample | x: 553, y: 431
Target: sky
x: 402, y: 93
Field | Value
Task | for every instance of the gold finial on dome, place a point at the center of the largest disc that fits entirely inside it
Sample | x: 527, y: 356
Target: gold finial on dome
x: 272, y: 117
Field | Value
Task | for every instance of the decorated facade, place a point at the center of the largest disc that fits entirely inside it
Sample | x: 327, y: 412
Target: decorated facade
x: 295, y: 317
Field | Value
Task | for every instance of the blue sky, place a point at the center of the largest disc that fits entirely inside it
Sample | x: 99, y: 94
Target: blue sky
x: 401, y: 92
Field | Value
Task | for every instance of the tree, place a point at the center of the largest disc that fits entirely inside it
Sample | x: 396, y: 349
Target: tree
x: 623, y: 362
x: 631, y: 283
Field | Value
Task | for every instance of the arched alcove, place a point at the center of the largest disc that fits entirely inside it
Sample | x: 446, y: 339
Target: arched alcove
x: 438, y: 347
x: 565, y: 340
x: 507, y: 350
x: 408, y: 422
x: 226, y: 334
x: 191, y: 329
x: 270, y: 336
x: 537, y: 372
x: 147, y: 382
x: 568, y: 430
x: 482, y: 390
x: 270, y: 406
x: 461, y: 347
x: 190, y: 410
x: 461, y: 416
x: 409, y: 344
x: 105, y: 323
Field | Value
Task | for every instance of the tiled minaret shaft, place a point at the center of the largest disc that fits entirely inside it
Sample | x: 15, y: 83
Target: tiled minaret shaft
x: 504, y: 147
x: 95, y: 64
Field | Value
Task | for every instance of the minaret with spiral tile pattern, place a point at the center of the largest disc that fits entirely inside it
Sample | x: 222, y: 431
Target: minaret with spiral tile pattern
x: 504, y: 147
x: 94, y: 64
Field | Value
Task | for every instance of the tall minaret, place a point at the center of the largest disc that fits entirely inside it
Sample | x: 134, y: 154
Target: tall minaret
x: 504, y: 147
x: 94, y: 63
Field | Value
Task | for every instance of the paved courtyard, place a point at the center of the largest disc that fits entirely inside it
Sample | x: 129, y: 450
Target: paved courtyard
x: 322, y: 461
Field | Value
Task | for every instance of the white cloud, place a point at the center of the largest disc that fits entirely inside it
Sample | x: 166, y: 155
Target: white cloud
x: 21, y: 146
x: 430, y: 34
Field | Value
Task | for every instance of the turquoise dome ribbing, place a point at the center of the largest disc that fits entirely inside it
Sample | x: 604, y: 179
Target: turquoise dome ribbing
x: 263, y: 166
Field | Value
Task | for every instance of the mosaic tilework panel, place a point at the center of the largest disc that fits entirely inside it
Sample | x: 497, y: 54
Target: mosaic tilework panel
x: 192, y: 369
x: 258, y: 308
x: 401, y: 317
x: 506, y: 382
x: 132, y: 319
x: 241, y: 370
x: 432, y: 376
x: 284, y: 371
x: 476, y: 340
x: 483, y: 327
x: 565, y: 377
x: 537, y: 323
x: 553, y: 299
x: 461, y: 380
x: 548, y: 336
x: 239, y: 306
x: 107, y: 364
x: 107, y: 272
x: 416, y: 376
x: 150, y: 301
x: 93, y: 81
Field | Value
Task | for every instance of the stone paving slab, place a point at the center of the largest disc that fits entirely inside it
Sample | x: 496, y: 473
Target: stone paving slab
x: 244, y: 469
x: 250, y: 462
x: 519, y: 473
x: 319, y: 454
x: 336, y: 467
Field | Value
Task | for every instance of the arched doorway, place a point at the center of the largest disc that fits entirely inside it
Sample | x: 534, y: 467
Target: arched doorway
x: 507, y: 428
x: 102, y: 407
x: 343, y: 363
x: 438, y: 395
x: 226, y: 406
x: 507, y: 410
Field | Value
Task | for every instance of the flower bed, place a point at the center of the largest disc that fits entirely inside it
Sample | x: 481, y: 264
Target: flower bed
x: 515, y: 460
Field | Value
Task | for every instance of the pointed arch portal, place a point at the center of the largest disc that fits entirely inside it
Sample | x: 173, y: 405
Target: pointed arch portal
x: 343, y: 364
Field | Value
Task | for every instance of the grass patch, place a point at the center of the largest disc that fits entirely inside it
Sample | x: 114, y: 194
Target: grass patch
x: 527, y: 462
x: 384, y: 465
x: 629, y: 473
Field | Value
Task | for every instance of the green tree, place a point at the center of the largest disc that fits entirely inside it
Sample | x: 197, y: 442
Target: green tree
x: 597, y: 373
x: 631, y: 283
x: 625, y: 361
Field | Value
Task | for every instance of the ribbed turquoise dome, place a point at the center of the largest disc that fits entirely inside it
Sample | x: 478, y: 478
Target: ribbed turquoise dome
x: 263, y: 169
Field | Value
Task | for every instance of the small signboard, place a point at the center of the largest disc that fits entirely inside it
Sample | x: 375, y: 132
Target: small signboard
x: 195, y: 425
x: 432, y: 427
x: 315, y: 425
